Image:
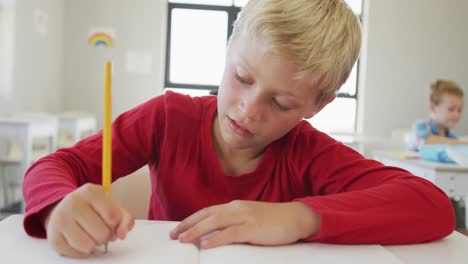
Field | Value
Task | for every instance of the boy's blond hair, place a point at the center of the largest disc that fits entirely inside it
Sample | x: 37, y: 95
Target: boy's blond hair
x: 322, y: 36
x: 442, y: 87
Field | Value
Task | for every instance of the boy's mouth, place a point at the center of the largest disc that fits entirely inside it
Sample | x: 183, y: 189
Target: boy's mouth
x: 239, y: 129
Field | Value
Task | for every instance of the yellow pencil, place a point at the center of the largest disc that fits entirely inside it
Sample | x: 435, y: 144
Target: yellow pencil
x: 107, y: 133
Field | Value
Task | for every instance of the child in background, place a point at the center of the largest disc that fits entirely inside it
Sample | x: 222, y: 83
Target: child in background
x: 244, y: 163
x: 445, y: 110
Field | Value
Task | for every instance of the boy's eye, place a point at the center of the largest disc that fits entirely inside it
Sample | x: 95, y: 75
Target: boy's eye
x: 280, y: 106
x: 241, y: 80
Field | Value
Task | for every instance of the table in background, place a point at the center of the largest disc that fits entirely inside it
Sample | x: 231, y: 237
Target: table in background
x: 24, y: 129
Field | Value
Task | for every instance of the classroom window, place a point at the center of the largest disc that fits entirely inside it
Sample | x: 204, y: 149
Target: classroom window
x: 340, y: 115
x: 197, y: 35
x: 207, y: 46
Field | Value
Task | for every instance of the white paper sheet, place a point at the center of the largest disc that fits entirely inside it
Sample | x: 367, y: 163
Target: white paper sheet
x: 149, y: 242
x: 304, y: 253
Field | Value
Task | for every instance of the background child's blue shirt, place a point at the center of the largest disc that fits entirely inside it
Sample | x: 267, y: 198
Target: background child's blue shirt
x: 421, y: 130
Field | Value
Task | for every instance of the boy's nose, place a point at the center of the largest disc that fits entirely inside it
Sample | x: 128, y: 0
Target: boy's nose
x: 250, y: 108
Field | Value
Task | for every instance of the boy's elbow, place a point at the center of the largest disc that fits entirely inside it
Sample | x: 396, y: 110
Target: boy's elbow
x: 443, y: 217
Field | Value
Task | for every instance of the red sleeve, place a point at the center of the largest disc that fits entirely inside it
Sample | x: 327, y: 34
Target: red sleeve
x: 361, y: 201
x: 136, y: 137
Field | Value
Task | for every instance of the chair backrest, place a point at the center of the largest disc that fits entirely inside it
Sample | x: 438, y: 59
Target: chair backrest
x: 133, y: 192
x: 74, y: 126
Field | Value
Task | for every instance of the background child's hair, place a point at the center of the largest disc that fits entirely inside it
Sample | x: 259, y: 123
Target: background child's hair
x: 442, y: 87
x: 322, y: 36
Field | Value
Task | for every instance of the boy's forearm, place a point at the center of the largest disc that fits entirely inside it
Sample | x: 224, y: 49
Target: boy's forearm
x: 398, y: 212
x: 44, y: 216
x: 45, y: 184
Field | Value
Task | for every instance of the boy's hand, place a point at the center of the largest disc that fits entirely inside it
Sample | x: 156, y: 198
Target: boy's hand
x: 252, y: 222
x: 85, y: 219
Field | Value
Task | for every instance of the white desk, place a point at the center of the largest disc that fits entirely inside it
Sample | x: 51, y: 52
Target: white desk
x: 24, y: 130
x: 366, y: 145
x: 16, y: 246
x: 451, y: 178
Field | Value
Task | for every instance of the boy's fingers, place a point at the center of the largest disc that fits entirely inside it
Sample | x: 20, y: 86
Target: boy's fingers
x: 78, y: 239
x: 233, y: 234
x: 63, y: 248
x: 94, y: 225
x: 125, y: 225
x: 205, y: 227
x: 108, y: 210
x: 190, y: 221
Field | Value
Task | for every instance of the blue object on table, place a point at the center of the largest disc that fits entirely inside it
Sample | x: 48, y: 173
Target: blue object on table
x: 436, y: 152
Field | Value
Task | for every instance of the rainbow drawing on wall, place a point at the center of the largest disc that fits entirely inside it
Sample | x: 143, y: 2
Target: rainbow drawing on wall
x: 101, y: 39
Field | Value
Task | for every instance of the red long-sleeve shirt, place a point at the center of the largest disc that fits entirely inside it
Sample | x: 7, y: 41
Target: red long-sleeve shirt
x: 359, y: 200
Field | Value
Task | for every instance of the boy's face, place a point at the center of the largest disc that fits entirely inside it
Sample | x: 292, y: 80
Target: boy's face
x: 259, y: 100
x: 448, y: 112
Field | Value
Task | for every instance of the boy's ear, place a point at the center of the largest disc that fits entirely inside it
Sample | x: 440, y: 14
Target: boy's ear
x: 319, y: 107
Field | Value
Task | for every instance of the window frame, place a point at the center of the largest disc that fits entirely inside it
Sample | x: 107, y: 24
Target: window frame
x: 232, y: 12
x: 356, y: 92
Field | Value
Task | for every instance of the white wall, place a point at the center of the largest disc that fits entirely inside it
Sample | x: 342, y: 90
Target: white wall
x: 411, y: 43
x: 38, y: 57
x: 7, y: 34
x: 139, y: 25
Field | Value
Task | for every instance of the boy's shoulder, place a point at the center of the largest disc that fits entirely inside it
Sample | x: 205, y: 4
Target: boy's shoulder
x: 304, y: 136
x: 187, y: 105
x: 305, y: 144
x: 422, y: 126
x: 421, y: 122
x: 178, y: 98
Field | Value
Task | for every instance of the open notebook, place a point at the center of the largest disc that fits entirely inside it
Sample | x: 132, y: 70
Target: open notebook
x: 149, y: 242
